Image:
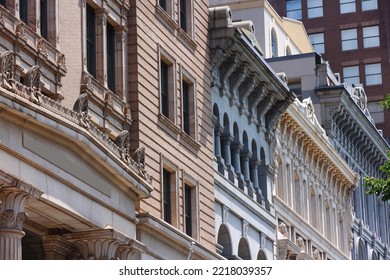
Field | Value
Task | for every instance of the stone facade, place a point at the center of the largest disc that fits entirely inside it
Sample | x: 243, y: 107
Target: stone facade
x: 248, y: 99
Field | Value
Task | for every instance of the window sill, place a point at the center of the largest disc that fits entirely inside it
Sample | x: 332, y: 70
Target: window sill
x: 169, y: 124
x: 189, y: 140
x: 186, y: 39
x: 166, y: 18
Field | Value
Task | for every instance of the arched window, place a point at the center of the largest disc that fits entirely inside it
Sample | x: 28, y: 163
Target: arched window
x: 261, y: 255
x: 224, y: 240
x: 274, y: 43
x: 243, y: 249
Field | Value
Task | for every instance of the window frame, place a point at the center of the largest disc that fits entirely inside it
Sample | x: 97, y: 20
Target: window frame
x: 368, y: 5
x: 314, y: 8
x: 90, y: 42
x: 314, y: 44
x: 169, y: 198
x: 350, y: 40
x: 110, y: 57
x: 171, y: 80
x: 345, y: 4
x: 289, y: 12
x: 346, y: 79
x: 375, y: 74
x: 367, y: 39
x: 192, y: 186
x: 191, y: 122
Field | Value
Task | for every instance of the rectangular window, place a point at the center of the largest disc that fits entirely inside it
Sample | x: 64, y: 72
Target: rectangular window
x: 43, y: 19
x: 110, y: 57
x: 373, y: 74
x: 351, y: 75
x: 91, y: 41
x: 314, y: 8
x: 186, y: 106
x: 371, y: 36
x: 23, y: 9
x: 294, y: 9
x: 318, y: 42
x: 188, y: 209
x: 166, y: 193
x: 369, y: 5
x: 183, y: 14
x: 164, y: 82
x: 376, y: 111
x: 349, y: 39
x: 347, y: 6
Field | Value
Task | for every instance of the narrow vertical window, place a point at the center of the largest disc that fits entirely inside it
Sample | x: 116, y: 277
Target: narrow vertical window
x: 371, y: 36
x: 167, y: 196
x: 314, y: 8
x: 23, y: 10
x: 164, y: 80
x: 186, y: 107
x: 188, y: 209
x: 43, y: 19
x: 111, y: 57
x: 373, y: 74
x: 183, y: 15
x: 91, y: 41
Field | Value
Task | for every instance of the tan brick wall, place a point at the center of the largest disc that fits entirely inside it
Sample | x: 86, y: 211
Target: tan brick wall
x: 148, y: 130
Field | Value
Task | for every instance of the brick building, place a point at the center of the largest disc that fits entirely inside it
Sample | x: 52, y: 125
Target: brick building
x: 353, y: 35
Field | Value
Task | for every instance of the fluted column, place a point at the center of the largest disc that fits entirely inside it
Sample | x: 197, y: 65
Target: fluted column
x: 12, y: 218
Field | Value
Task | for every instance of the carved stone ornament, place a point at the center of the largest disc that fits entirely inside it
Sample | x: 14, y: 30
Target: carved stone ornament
x: 81, y: 107
x: 2, y: 22
x: 282, y: 228
x: 20, y: 32
x: 139, y: 156
x: 245, y: 228
x: 225, y: 214
x: 7, y: 69
x: 301, y: 244
x: 316, y: 254
x: 41, y: 47
x: 263, y: 240
x: 61, y: 61
x: 122, y: 140
x: 32, y: 80
x: 81, y: 104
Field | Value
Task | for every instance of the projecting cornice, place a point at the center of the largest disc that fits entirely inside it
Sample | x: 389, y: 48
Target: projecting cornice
x: 242, y: 75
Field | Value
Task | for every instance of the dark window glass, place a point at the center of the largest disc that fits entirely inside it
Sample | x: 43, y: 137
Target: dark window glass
x: 164, y: 89
x: 167, y: 195
x: 91, y: 41
x: 111, y: 57
x: 188, y: 209
x: 43, y: 19
x: 183, y: 15
x: 163, y: 4
x: 23, y: 10
x: 3, y: 3
x: 186, y: 107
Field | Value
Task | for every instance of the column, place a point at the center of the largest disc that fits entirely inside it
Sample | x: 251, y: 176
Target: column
x: 236, y: 161
x: 12, y: 218
x: 254, y: 175
x: 245, y: 156
x: 226, y: 141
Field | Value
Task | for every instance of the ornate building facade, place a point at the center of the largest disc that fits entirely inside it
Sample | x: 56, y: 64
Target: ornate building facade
x: 83, y: 176
x: 342, y: 111
x: 313, y: 189
x: 248, y: 99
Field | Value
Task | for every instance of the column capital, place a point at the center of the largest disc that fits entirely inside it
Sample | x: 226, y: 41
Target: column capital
x: 99, y: 244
